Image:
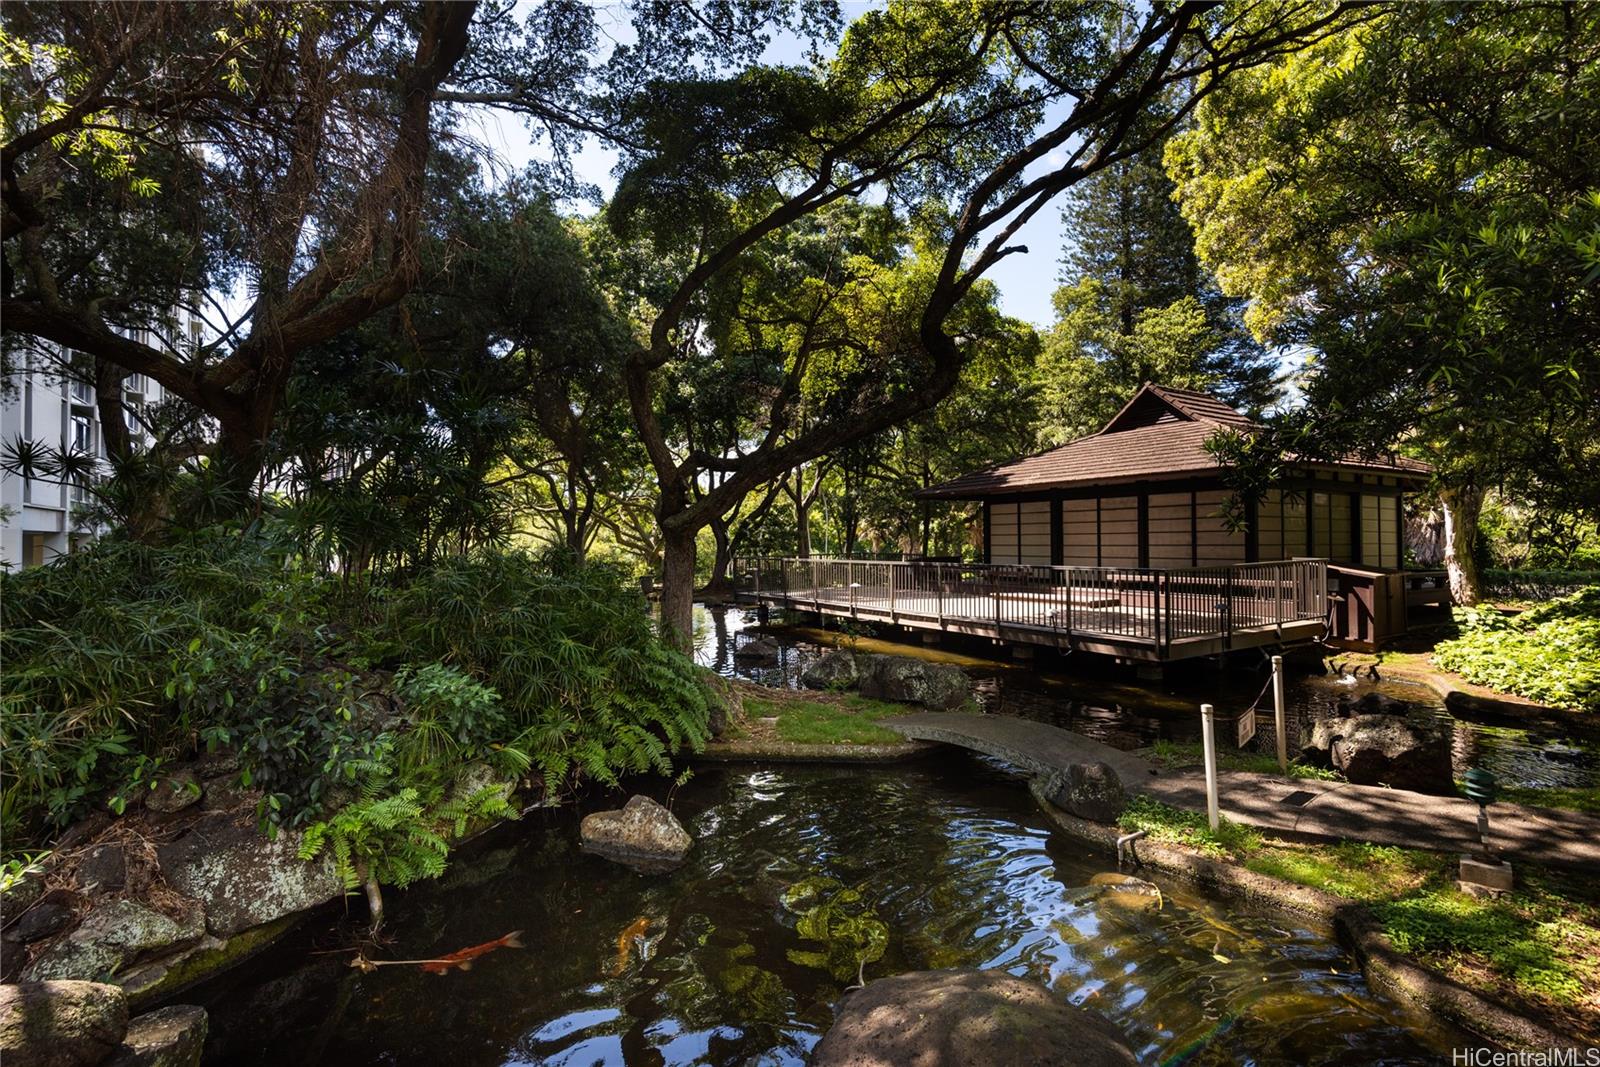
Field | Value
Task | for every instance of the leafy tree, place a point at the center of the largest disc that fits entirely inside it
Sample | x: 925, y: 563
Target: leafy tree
x: 1136, y: 306
x: 936, y: 107
x: 155, y: 155
x: 1414, y: 203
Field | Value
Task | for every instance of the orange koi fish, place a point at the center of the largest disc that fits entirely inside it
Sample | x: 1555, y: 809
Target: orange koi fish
x: 626, y: 941
x: 462, y: 960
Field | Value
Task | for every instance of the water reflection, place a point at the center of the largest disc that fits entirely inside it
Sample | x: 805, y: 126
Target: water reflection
x: 1084, y: 696
x: 949, y: 853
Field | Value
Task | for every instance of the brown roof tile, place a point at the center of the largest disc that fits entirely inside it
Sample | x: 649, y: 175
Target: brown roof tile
x: 1174, y: 447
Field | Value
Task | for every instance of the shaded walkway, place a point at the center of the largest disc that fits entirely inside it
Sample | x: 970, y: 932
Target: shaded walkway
x: 1329, y: 811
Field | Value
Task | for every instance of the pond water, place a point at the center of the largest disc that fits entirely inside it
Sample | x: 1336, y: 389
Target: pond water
x: 1093, y: 697
x: 706, y: 965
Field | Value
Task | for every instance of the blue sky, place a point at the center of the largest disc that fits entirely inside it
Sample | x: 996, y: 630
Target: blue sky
x: 1025, y: 282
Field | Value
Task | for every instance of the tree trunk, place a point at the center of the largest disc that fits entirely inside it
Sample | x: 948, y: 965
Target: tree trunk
x: 1461, y: 507
x: 718, y: 584
x: 677, y: 588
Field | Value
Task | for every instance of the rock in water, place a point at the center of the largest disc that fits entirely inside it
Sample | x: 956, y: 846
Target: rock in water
x: 243, y: 878
x: 941, y: 686
x: 961, y: 1017
x: 643, y: 835
x: 762, y: 651
x: 1405, y: 752
x: 167, y: 1037
x: 1088, y: 790
x: 60, y: 1024
x: 836, y: 670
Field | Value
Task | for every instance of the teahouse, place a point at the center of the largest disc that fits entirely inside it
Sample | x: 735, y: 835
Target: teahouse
x: 1116, y: 544
x: 1144, y: 492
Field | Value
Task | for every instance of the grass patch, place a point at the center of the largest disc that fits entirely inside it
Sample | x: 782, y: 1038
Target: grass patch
x: 1585, y: 800
x: 845, y: 720
x: 1352, y: 869
x: 1171, y: 754
x: 1174, y: 826
x: 1539, y: 944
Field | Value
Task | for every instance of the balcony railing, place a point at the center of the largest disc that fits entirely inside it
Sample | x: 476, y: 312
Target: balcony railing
x: 1145, y: 605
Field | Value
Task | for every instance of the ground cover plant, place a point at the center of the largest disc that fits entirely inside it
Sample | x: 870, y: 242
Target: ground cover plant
x: 1550, y: 653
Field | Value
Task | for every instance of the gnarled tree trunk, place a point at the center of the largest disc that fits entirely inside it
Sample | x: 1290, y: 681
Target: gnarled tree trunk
x: 1461, y: 507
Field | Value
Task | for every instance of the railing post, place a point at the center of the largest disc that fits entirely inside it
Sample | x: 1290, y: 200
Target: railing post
x: 1209, y: 743
x: 1155, y: 630
x: 938, y: 589
x: 893, y: 617
x: 1278, y: 715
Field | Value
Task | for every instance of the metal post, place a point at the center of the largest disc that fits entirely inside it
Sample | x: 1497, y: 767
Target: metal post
x: 1210, y: 742
x: 1278, y: 715
x: 893, y: 617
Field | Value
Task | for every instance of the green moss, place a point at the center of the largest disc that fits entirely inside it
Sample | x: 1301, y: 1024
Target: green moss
x: 850, y: 721
x: 209, y: 961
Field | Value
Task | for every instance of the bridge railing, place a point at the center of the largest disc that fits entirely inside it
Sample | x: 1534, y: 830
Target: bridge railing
x: 1144, y: 604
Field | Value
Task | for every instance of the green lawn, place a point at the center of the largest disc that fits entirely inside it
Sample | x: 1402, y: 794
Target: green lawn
x: 845, y: 720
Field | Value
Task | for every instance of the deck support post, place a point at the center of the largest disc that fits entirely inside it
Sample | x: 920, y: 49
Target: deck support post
x: 1209, y: 742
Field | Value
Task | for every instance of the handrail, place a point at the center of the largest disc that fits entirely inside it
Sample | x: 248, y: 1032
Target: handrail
x: 1155, y: 605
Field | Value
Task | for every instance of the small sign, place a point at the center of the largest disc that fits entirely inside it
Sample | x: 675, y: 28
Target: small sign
x: 1247, y: 727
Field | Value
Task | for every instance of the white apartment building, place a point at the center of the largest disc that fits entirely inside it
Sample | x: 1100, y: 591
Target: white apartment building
x: 42, y: 519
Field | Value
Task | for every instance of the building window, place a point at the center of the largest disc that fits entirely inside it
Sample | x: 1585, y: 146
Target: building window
x: 82, y: 435
x: 82, y: 392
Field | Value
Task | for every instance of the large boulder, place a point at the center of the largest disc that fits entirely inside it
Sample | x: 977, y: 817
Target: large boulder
x: 173, y: 1036
x: 1088, y: 790
x: 962, y: 1017
x: 60, y: 1024
x: 1405, y: 752
x: 941, y: 686
x: 642, y: 834
x: 112, y: 936
x: 840, y: 669
x: 242, y: 877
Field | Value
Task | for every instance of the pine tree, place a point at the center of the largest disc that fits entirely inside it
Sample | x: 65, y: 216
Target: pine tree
x: 1136, y: 305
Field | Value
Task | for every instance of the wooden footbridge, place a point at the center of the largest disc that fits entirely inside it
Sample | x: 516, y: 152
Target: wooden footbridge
x: 1136, y: 613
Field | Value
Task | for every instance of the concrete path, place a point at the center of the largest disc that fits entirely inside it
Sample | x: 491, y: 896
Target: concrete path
x: 1328, y: 811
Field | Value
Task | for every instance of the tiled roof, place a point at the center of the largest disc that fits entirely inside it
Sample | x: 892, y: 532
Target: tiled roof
x: 1125, y: 451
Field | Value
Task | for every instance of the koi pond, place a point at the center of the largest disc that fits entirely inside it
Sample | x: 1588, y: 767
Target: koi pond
x: 1091, y: 696
x: 944, y: 861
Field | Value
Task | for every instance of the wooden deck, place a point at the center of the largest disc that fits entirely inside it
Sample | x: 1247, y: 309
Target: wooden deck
x: 1134, y: 613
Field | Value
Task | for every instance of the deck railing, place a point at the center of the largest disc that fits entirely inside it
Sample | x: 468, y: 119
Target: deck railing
x: 1142, y: 604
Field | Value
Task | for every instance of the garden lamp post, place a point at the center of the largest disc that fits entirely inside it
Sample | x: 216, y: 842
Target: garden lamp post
x: 1483, y: 872
x: 1481, y: 789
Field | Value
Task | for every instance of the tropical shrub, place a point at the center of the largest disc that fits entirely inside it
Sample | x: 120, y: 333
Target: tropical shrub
x: 1550, y: 653
x: 352, y: 703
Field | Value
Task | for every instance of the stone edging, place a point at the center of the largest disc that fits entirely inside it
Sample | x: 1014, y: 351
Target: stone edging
x: 796, y: 752
x: 1385, y: 967
x: 1462, y: 696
